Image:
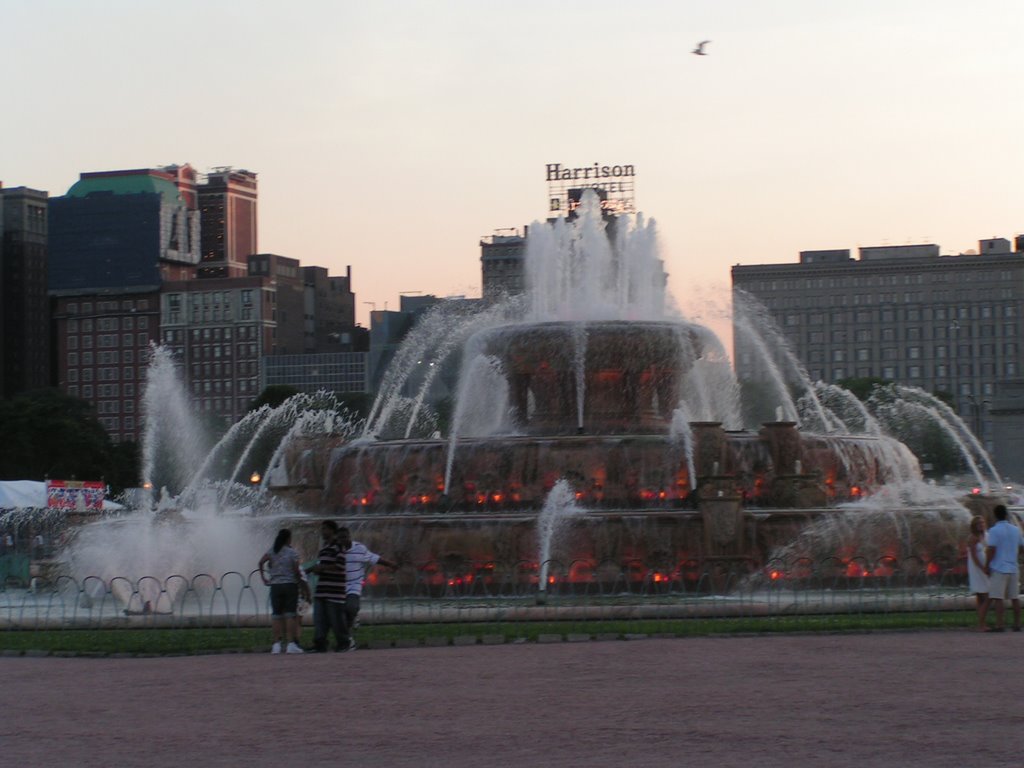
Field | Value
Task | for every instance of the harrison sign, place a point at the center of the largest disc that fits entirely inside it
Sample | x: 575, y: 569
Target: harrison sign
x: 614, y: 184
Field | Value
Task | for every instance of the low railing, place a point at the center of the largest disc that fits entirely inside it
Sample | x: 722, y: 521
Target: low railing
x: 455, y: 590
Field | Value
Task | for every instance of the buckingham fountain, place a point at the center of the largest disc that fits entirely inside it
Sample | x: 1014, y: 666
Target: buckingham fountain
x: 589, y: 439
x: 591, y: 399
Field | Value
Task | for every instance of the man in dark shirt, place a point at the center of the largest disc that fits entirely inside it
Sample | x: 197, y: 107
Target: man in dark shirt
x: 329, y: 596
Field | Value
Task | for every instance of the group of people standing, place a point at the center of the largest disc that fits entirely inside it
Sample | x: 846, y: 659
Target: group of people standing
x: 992, y: 570
x: 340, y: 570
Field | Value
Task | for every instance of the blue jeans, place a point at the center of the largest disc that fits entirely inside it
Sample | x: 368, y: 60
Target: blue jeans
x: 329, y: 615
x: 351, y: 611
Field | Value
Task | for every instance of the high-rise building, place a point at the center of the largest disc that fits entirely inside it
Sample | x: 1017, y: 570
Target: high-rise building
x: 114, y: 238
x: 902, y: 313
x: 220, y: 329
x: 227, y: 203
x: 24, y: 306
x: 121, y: 230
x: 102, y: 351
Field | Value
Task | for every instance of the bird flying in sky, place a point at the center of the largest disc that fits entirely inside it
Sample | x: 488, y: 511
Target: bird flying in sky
x: 699, y: 50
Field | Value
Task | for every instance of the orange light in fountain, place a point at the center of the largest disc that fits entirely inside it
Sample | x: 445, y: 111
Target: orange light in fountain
x: 254, y: 478
x: 855, y: 491
x: 647, y: 494
x: 933, y: 569
x: 365, y: 500
x: 551, y: 579
x: 662, y: 495
x: 975, y: 491
x: 481, y: 498
x: 855, y: 570
x: 657, y: 578
x: 579, y: 495
x: 775, y: 575
x: 497, y: 497
x: 425, y: 499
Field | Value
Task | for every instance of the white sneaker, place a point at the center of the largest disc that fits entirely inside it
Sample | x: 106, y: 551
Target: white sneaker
x: 351, y: 644
x: 293, y: 648
x: 275, y: 648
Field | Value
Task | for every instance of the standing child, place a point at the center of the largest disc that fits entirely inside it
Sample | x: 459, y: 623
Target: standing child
x: 976, y: 576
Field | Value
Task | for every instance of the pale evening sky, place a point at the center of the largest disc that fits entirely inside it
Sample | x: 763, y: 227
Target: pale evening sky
x: 392, y: 135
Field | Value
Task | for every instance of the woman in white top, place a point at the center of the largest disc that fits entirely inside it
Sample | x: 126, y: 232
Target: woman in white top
x: 976, y: 576
x: 285, y: 579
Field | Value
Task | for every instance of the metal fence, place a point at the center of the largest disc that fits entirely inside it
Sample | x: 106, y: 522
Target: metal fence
x: 523, y: 591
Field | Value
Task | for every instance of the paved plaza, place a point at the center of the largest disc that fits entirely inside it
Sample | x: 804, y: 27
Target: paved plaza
x: 938, y: 698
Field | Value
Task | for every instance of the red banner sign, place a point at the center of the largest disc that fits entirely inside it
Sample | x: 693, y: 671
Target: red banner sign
x: 75, y: 494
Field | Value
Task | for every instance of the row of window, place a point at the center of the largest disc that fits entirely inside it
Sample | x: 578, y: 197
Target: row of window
x: 206, y: 370
x: 108, y: 306
x: 866, y: 354
x: 915, y: 333
x: 128, y: 373
x: 177, y: 336
x: 107, y: 324
x: 104, y: 358
x: 112, y: 424
x: 846, y: 300
x: 812, y: 283
x: 108, y: 340
x: 87, y: 391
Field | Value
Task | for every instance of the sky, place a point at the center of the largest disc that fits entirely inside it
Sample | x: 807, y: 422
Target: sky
x: 392, y: 135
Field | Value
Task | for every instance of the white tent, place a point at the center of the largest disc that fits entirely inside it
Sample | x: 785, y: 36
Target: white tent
x: 25, y: 494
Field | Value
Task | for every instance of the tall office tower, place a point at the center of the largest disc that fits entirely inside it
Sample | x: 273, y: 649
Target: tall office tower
x: 903, y: 313
x: 114, y: 238
x: 227, y: 203
x: 24, y: 307
x: 221, y: 329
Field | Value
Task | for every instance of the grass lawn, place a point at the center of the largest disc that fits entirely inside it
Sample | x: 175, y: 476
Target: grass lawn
x: 168, y: 641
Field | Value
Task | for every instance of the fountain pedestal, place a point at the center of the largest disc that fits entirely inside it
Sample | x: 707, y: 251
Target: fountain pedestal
x: 784, y: 444
x: 721, y: 511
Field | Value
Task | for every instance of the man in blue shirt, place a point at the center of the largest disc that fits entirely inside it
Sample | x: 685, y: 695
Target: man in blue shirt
x: 1004, y: 545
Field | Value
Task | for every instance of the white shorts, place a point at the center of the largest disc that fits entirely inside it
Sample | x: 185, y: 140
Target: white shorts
x: 1004, y: 586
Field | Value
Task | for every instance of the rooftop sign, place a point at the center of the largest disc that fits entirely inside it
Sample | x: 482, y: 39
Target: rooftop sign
x: 613, y: 184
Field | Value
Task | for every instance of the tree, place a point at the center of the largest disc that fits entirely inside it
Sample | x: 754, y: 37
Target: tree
x: 863, y: 387
x: 50, y: 434
x: 273, y: 396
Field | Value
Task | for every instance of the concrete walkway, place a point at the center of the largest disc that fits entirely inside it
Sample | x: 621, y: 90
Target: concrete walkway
x: 937, y: 699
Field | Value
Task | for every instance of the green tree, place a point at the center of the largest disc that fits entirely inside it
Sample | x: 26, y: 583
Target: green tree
x: 862, y: 388
x: 273, y: 396
x: 50, y: 434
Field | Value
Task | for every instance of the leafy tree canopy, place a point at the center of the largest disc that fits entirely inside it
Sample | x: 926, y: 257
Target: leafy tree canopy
x: 273, y: 396
x: 49, y: 434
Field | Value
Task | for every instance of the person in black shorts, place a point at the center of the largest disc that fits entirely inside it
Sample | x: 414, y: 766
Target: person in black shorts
x: 284, y: 577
